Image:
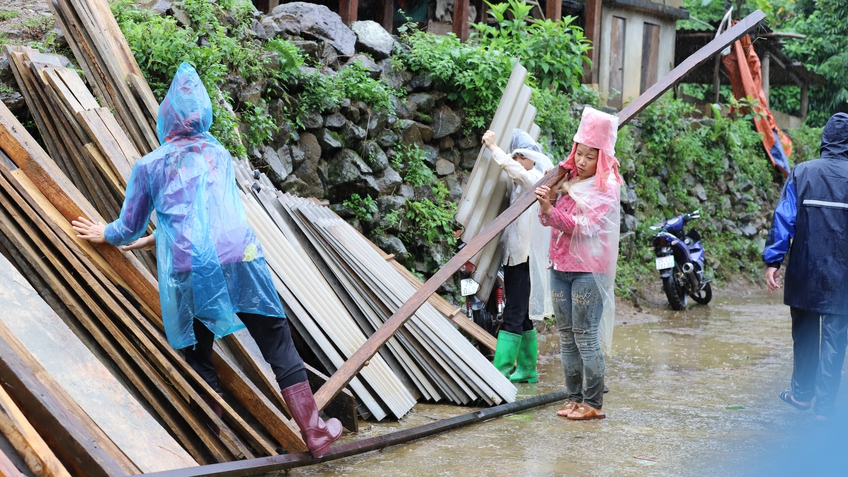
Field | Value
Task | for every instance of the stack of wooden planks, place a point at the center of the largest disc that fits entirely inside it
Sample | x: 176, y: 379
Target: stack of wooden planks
x: 99, y: 293
x: 82, y: 137
x: 111, y: 69
x: 38, y: 348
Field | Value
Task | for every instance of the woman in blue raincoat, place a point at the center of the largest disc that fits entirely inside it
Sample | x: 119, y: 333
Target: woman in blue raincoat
x: 213, y: 279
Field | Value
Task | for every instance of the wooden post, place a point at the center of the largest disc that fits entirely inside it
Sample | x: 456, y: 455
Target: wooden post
x: 347, y: 10
x: 804, y: 101
x: 553, y: 10
x: 717, y: 79
x: 358, y: 360
x: 460, y: 19
x: 593, y: 33
x: 387, y: 15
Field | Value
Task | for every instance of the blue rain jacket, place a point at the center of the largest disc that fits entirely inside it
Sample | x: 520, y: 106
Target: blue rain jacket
x: 811, y: 224
x: 211, y: 266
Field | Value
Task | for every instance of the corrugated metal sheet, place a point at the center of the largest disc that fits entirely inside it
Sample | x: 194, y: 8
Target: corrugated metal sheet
x: 487, y: 192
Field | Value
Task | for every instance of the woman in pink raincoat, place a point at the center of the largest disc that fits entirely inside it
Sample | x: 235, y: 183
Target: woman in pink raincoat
x: 583, y: 213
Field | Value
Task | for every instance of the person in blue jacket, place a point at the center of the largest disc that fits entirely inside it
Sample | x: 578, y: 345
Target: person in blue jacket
x: 213, y: 278
x: 811, y: 225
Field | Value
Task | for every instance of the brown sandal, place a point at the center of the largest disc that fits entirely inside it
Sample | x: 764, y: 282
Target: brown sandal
x: 584, y: 413
x: 568, y: 409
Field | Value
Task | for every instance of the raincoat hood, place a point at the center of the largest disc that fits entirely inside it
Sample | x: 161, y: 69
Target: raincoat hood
x: 835, y: 137
x: 523, y: 144
x: 597, y: 130
x: 186, y: 109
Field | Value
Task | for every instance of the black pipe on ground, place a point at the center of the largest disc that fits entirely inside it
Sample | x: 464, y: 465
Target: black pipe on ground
x: 290, y: 461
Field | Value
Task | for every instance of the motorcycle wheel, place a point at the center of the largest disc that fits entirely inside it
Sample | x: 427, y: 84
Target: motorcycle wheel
x: 704, y: 296
x: 675, y: 293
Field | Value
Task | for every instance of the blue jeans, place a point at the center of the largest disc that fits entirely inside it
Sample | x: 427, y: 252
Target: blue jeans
x: 578, y: 306
x: 819, y: 350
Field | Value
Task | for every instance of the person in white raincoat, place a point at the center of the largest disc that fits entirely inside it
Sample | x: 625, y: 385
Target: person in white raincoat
x: 517, y: 349
x: 213, y: 279
x: 583, y: 213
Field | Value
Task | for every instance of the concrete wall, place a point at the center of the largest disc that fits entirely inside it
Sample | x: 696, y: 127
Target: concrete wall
x: 634, y: 21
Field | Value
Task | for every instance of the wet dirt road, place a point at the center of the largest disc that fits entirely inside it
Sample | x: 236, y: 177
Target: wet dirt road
x: 692, y: 393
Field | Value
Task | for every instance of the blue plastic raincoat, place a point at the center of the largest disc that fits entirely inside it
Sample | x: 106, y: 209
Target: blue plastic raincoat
x: 811, y: 224
x: 211, y: 266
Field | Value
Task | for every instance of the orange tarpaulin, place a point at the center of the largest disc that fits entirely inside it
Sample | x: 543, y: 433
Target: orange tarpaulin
x: 747, y: 82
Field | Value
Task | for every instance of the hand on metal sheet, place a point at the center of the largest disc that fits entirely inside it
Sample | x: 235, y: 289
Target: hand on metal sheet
x: 88, y: 230
x: 144, y: 243
x: 489, y: 139
x: 773, y: 278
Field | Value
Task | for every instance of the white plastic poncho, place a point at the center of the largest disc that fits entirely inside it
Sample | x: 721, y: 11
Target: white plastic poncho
x: 540, y: 297
x: 594, y: 241
x: 210, y: 264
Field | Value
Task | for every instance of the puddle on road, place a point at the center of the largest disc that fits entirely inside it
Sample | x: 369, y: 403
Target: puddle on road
x: 692, y: 393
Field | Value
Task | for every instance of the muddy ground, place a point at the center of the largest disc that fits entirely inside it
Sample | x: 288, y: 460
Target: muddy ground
x: 693, y: 393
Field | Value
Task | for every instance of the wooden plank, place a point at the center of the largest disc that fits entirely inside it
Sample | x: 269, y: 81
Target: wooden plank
x: 120, y: 136
x: 115, y: 182
x: 72, y: 136
x: 16, y: 57
x: 85, y: 308
x: 74, y: 85
x: 68, y: 24
x: 26, y: 441
x: 67, y: 199
x: 47, y: 407
x: 144, y: 94
x: 91, y: 58
x: 355, y: 362
x: 285, y: 462
x: 115, y: 60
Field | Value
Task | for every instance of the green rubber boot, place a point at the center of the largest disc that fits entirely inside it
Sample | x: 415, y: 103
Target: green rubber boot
x: 506, y: 351
x: 528, y: 352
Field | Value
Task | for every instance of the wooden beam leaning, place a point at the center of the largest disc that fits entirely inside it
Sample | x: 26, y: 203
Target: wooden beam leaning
x: 47, y: 407
x: 123, y: 353
x: 45, y: 174
x: 26, y: 441
x: 352, y: 366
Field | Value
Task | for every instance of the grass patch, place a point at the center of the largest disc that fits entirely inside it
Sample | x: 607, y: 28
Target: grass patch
x: 8, y: 15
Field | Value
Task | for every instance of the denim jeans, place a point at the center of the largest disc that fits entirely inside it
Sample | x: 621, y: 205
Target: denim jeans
x: 578, y: 306
x: 819, y: 350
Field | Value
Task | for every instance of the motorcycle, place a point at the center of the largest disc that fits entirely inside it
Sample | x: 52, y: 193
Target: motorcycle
x: 488, y: 317
x: 680, y: 261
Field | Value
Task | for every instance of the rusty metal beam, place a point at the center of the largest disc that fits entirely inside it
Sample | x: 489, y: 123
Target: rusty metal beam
x: 290, y: 461
x: 351, y: 367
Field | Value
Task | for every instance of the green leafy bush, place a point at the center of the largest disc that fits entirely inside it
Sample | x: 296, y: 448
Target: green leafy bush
x: 471, y: 75
x: 363, y: 208
x: 553, y: 52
